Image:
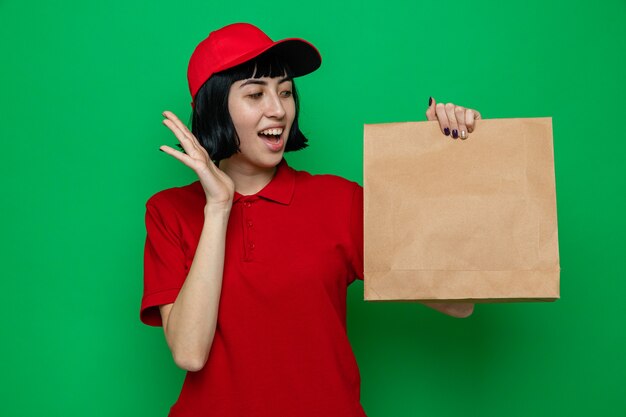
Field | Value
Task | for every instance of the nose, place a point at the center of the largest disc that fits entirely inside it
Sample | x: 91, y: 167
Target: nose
x: 275, y: 108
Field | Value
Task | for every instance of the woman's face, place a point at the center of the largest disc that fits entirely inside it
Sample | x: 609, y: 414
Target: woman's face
x: 262, y: 110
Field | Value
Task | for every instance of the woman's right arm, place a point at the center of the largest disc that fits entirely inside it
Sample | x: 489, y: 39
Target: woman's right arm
x: 189, y: 323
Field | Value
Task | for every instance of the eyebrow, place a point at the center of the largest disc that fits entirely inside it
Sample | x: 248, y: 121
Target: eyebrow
x: 261, y: 82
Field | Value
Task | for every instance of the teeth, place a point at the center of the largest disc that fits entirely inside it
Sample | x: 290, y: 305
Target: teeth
x: 276, y: 132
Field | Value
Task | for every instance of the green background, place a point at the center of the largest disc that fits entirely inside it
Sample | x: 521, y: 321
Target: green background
x: 82, y: 89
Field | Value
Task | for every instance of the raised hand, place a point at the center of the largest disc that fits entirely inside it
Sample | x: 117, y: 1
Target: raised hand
x: 453, y: 120
x: 218, y: 187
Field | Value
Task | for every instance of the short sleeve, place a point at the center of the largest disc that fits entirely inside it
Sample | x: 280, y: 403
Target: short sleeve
x: 164, y: 263
x: 356, y: 231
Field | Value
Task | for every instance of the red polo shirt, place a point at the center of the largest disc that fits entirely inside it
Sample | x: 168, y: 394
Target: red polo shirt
x: 280, y: 346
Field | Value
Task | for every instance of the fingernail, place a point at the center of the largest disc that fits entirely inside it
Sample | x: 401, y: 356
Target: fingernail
x: 430, y: 101
x: 463, y: 134
x: 446, y: 131
x: 455, y: 134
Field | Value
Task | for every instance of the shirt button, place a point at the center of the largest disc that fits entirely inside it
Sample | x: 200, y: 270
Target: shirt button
x: 249, y: 223
x: 251, y: 246
x: 247, y: 204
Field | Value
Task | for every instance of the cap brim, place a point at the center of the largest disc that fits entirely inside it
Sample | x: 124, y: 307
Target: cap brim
x: 301, y: 56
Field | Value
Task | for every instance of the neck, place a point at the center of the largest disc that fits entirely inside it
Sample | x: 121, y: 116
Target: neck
x: 248, y: 179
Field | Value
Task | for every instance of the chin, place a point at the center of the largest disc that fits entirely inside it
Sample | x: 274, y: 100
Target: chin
x: 270, y: 161
x: 261, y: 160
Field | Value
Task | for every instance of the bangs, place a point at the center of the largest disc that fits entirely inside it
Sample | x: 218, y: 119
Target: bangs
x: 265, y: 65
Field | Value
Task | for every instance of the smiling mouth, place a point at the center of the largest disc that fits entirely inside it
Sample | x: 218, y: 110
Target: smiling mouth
x: 273, y: 134
x: 273, y: 138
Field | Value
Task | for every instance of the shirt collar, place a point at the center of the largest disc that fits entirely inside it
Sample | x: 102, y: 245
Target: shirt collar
x: 280, y: 189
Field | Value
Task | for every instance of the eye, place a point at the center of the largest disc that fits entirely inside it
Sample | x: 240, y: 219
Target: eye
x: 286, y: 93
x: 255, y: 95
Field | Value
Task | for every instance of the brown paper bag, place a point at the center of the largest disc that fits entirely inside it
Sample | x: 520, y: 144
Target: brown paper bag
x: 455, y: 220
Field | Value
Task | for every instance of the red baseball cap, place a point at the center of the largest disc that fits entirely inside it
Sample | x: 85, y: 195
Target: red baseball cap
x: 240, y: 42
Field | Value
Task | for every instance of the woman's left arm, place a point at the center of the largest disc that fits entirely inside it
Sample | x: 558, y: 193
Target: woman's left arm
x: 455, y: 121
x: 458, y: 310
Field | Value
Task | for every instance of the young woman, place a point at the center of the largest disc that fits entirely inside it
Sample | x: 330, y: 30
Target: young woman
x: 247, y: 268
